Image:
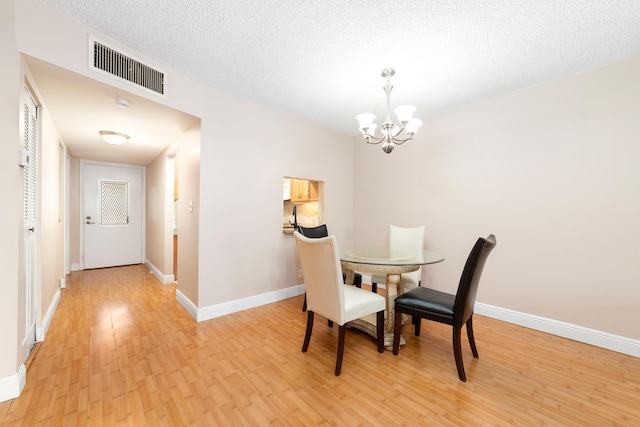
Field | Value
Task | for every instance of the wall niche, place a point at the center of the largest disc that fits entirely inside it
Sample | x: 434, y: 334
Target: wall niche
x: 303, y: 203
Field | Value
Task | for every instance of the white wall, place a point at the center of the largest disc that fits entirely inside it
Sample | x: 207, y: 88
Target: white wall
x: 188, y: 160
x: 242, y: 249
x: 156, y: 214
x: 10, y: 178
x: 553, y: 171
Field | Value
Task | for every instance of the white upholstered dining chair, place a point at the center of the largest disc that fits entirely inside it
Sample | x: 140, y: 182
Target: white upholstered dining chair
x: 327, y: 294
x: 410, y: 239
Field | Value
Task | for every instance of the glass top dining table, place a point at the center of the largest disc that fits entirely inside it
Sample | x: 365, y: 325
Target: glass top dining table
x: 389, y: 257
x: 393, y: 263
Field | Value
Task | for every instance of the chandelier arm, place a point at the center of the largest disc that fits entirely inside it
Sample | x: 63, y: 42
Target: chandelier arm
x: 400, y: 141
x: 377, y: 140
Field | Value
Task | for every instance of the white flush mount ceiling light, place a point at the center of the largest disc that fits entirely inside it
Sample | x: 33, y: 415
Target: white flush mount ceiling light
x: 391, y: 132
x: 113, y: 138
x: 122, y: 103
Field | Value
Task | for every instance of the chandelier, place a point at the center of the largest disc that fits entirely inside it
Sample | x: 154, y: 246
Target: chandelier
x: 392, y: 134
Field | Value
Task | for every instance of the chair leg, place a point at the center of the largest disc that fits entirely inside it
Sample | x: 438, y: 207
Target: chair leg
x: 307, y: 335
x: 380, y: 330
x: 397, y: 329
x: 374, y: 288
x: 472, y: 341
x: 416, y: 325
x: 304, y: 304
x: 342, y: 329
x: 457, y: 351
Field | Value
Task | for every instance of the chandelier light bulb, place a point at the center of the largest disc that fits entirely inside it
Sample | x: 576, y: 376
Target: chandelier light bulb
x: 404, y: 113
x: 366, y: 121
x: 412, y: 126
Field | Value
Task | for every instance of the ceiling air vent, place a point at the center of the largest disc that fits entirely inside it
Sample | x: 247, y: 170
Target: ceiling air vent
x: 108, y: 60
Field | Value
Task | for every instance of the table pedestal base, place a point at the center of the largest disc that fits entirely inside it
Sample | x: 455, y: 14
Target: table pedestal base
x: 367, y: 324
x: 392, y: 263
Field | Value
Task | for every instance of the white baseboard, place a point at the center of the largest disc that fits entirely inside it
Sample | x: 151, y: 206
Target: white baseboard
x: 218, y: 310
x: 48, y: 316
x: 76, y: 266
x: 11, y: 386
x: 601, y: 339
x: 165, y: 279
x: 187, y: 304
x: 566, y: 330
x: 213, y: 311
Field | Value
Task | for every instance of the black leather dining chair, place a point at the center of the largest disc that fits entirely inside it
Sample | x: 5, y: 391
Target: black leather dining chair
x: 455, y: 310
x: 317, y: 232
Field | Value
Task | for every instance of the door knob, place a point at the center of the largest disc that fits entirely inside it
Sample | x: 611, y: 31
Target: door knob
x: 90, y: 222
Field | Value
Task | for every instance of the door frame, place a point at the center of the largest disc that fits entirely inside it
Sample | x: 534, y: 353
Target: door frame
x: 142, y: 205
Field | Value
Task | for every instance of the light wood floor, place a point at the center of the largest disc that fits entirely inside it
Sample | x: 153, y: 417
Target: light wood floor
x: 122, y: 351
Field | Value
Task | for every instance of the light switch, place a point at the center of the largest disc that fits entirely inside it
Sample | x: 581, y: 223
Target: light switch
x: 23, y: 158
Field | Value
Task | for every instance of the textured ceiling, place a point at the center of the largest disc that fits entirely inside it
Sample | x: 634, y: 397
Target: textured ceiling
x: 322, y: 59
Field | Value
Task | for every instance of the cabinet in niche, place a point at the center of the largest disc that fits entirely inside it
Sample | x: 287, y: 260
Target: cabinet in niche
x: 303, y: 190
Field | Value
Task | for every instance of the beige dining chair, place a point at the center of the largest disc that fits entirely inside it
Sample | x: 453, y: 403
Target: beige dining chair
x: 409, y: 239
x: 327, y: 294
x: 321, y: 231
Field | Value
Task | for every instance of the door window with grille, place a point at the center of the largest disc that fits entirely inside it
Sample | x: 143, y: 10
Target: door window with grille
x: 114, y: 198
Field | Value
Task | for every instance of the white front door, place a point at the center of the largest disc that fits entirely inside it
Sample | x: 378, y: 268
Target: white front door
x: 112, y: 215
